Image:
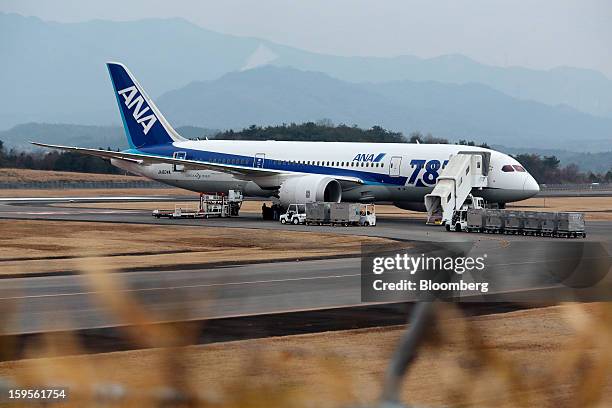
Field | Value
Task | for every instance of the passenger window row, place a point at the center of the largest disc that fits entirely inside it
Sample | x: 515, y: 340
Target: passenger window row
x: 245, y: 162
x: 339, y: 164
x: 242, y: 162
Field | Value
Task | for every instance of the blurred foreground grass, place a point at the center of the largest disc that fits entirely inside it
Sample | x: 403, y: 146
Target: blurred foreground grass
x: 549, y: 357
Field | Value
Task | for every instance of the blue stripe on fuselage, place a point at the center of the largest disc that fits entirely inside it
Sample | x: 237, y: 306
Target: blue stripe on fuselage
x: 272, y: 164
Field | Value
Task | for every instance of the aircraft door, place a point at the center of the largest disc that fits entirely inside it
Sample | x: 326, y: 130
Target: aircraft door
x: 259, y: 160
x: 181, y: 156
x: 395, y: 166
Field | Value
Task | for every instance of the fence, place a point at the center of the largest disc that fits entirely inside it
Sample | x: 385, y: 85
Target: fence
x: 62, y: 185
x: 579, y: 187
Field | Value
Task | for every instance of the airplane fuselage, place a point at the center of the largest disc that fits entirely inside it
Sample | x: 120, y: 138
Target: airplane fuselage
x: 395, y: 172
x: 297, y: 172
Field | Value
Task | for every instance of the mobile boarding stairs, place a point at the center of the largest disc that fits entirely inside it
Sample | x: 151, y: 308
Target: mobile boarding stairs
x: 465, y: 171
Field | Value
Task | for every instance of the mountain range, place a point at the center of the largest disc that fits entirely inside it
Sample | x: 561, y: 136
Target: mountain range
x: 54, y: 72
x: 273, y: 95
x: 112, y: 137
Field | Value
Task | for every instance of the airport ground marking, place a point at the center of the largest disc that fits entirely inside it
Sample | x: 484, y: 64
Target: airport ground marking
x: 185, y: 286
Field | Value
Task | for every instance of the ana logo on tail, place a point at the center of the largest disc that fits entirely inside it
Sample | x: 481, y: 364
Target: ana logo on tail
x: 133, y: 99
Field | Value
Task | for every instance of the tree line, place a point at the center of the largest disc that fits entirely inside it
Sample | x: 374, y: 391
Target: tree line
x: 545, y: 169
x: 55, y: 160
x: 321, y: 131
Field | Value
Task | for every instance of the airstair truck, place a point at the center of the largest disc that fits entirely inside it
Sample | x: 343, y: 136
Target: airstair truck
x: 465, y: 171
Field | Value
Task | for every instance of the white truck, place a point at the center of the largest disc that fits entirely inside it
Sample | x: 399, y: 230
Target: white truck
x: 325, y: 213
x: 459, y: 220
x: 296, y: 214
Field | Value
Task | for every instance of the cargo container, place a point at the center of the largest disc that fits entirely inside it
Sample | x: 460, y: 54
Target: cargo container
x: 515, y: 221
x: 549, y: 224
x: 475, y: 220
x: 562, y: 224
x: 532, y: 224
x: 344, y: 213
x: 570, y: 224
x: 327, y: 213
x: 318, y: 213
x: 494, y: 221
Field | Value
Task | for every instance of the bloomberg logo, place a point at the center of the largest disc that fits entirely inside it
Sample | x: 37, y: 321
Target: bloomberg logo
x: 133, y: 99
x: 367, y: 157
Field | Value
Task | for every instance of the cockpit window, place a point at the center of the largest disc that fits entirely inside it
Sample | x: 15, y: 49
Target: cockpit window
x: 518, y: 168
x: 507, y: 168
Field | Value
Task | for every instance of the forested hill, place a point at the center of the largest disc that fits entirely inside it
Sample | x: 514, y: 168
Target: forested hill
x: 547, y: 166
x: 315, y: 132
x: 113, y: 137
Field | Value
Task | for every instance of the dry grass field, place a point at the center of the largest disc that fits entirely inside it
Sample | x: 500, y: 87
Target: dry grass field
x: 93, y: 192
x: 548, y: 357
x: 25, y: 175
x: 31, y: 246
x: 595, y: 208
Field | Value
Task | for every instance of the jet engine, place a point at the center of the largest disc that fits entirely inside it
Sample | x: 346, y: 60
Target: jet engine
x: 309, y: 189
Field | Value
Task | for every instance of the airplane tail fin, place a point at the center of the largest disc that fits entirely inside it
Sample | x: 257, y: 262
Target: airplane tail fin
x: 143, y: 122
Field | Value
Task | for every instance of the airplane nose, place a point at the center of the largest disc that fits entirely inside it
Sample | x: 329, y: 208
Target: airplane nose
x: 531, y: 185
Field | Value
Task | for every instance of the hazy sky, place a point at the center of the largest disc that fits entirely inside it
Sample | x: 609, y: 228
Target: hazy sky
x: 536, y: 33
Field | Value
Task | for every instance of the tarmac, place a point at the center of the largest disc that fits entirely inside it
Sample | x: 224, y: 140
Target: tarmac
x: 65, y: 301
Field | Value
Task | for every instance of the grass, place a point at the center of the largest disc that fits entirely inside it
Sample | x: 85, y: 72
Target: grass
x: 595, y: 208
x: 536, y: 357
x: 25, y: 175
x: 30, y: 246
x: 94, y: 192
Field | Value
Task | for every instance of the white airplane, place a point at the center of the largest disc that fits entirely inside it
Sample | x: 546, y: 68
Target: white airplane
x: 293, y: 172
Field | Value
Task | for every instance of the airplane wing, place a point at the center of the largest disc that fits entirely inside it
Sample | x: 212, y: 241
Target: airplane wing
x: 240, y: 171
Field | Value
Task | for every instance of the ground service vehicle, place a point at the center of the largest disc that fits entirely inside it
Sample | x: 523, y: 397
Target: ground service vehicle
x: 341, y: 214
x: 210, y: 205
x: 459, y: 220
x: 352, y: 214
x: 538, y: 223
x: 326, y: 213
x: 318, y: 213
x: 296, y: 214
